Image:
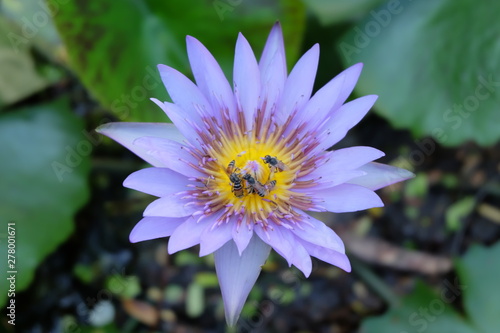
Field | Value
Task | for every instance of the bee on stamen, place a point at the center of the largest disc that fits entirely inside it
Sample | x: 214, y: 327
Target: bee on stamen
x: 235, y: 178
x: 274, y: 163
x: 231, y: 167
x: 270, y: 185
x: 255, y: 186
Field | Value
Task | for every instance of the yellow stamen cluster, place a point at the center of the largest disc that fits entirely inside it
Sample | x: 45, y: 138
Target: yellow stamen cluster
x: 251, y: 175
x: 243, y: 183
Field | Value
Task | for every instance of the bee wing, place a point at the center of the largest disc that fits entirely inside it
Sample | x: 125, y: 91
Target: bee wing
x: 282, y: 166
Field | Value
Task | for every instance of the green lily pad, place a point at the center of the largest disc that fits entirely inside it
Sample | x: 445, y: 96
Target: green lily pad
x: 479, y: 272
x: 115, y: 46
x: 20, y: 77
x: 434, y: 68
x: 432, y: 311
x: 44, y: 171
x: 33, y: 25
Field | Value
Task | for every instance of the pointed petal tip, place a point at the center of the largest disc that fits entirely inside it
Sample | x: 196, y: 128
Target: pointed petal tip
x: 192, y: 42
x: 104, y: 129
x: 405, y: 174
x: 159, y: 103
x: 132, y: 237
x: 152, y: 228
x: 174, y: 246
x: 315, y: 48
x: 135, y: 236
x: 368, y: 100
x: 232, y: 318
x: 127, y: 181
x: 170, y: 249
x: 100, y: 128
x: 359, y: 65
x: 380, y: 175
x: 346, y: 267
x: 276, y: 30
x: 237, y: 274
x: 353, y: 72
x: 275, y: 39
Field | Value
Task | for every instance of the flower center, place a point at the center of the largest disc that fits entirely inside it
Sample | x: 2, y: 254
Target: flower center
x: 245, y: 180
x: 250, y: 178
x: 252, y: 174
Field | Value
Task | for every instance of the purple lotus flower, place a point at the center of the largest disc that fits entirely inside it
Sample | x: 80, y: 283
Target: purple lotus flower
x: 238, y: 168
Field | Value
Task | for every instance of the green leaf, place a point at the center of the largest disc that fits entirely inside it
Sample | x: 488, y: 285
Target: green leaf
x: 435, y: 69
x: 195, y: 300
x: 20, y: 78
x: 123, y: 286
x: 459, y: 210
x: 335, y: 11
x: 425, y: 310
x: 206, y: 279
x: 479, y: 272
x: 114, y: 46
x: 34, y: 25
x: 44, y: 171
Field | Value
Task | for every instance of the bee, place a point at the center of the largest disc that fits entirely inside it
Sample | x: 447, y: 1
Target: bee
x: 274, y: 163
x: 230, y: 167
x: 270, y: 185
x: 255, y: 186
x: 237, y: 186
x: 235, y: 178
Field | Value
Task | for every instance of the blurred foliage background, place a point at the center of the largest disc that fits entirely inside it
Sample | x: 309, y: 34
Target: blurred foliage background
x: 428, y: 261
